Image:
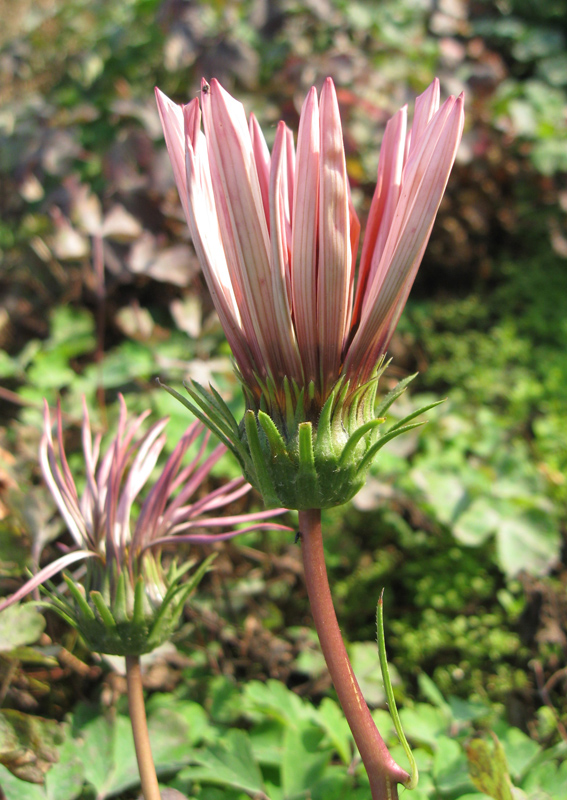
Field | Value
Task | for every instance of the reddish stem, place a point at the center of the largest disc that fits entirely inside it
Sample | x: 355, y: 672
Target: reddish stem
x: 383, y: 772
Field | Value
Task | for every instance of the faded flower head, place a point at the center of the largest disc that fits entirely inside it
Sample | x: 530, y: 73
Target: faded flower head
x: 127, y: 604
x: 277, y: 238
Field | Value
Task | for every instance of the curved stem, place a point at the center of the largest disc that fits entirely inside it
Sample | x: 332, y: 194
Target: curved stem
x: 383, y: 772
x: 139, y: 723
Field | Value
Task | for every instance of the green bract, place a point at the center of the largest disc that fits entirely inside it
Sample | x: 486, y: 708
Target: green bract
x: 300, y: 462
x: 126, y: 617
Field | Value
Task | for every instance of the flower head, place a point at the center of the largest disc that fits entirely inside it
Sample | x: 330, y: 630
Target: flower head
x: 129, y: 604
x: 277, y: 238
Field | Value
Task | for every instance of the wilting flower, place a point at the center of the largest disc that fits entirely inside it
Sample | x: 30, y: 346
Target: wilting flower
x: 277, y: 239
x: 127, y: 603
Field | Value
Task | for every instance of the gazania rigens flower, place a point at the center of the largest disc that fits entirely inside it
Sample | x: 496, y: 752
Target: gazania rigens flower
x: 127, y: 603
x: 277, y: 239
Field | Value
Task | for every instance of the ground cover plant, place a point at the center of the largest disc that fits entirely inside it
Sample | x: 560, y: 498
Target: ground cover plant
x: 463, y: 524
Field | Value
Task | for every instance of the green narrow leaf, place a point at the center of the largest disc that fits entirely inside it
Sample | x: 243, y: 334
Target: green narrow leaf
x: 229, y: 416
x: 139, y: 592
x: 289, y: 405
x: 384, y: 440
x: 307, y: 479
x: 200, y: 411
x: 61, y: 610
x: 414, y: 414
x: 324, y: 436
x: 196, y: 578
x: 79, y: 598
x: 414, y: 775
x: 265, y: 484
x: 119, y: 605
x: 299, y: 413
x: 393, y: 395
x: 273, y: 435
x: 356, y: 437
x: 104, y: 611
x: 207, y: 404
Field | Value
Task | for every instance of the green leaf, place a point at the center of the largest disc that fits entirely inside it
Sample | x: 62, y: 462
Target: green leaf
x: 431, y: 692
x: 65, y: 780
x: 106, y: 746
x: 229, y: 763
x: 94, y: 746
x: 488, y: 768
x: 477, y: 523
x: 28, y: 745
x: 529, y: 541
x: 15, y: 789
x: 165, y: 709
x: 444, y: 492
x: 548, y: 777
x: 275, y: 700
x: 519, y: 751
x: 467, y: 710
x: 20, y: 625
x: 266, y: 739
x: 226, y: 700
x: 336, y: 727
x: 303, y: 762
x: 450, y: 767
x: 9, y: 366
x: 123, y: 772
x: 424, y: 723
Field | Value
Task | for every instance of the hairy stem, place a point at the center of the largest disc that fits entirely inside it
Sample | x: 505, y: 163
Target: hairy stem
x: 139, y: 723
x: 383, y: 772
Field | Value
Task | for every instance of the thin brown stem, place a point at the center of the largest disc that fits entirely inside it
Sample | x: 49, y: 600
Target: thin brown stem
x: 383, y: 772
x: 146, y: 768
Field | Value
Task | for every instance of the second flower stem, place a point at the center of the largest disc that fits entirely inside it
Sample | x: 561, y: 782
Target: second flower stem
x: 383, y: 772
x: 146, y: 768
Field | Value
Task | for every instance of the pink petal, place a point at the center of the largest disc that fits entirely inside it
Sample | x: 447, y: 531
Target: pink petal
x: 147, y: 454
x: 280, y: 238
x: 335, y: 257
x: 426, y: 106
x: 244, y: 232
x: 181, y: 127
x: 386, y: 194
x: 290, y: 177
x: 205, y: 232
x: 262, y: 160
x: 304, y: 236
x: 171, y: 116
x: 211, y: 538
x: 66, y: 503
x: 423, y: 184
x: 45, y: 574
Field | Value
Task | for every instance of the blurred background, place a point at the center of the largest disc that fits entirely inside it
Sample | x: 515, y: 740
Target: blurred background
x: 462, y: 522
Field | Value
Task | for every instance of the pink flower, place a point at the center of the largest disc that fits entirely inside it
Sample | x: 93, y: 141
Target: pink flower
x: 277, y: 236
x: 174, y: 510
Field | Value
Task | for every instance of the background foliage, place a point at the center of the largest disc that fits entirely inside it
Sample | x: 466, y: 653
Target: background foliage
x: 463, y: 523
